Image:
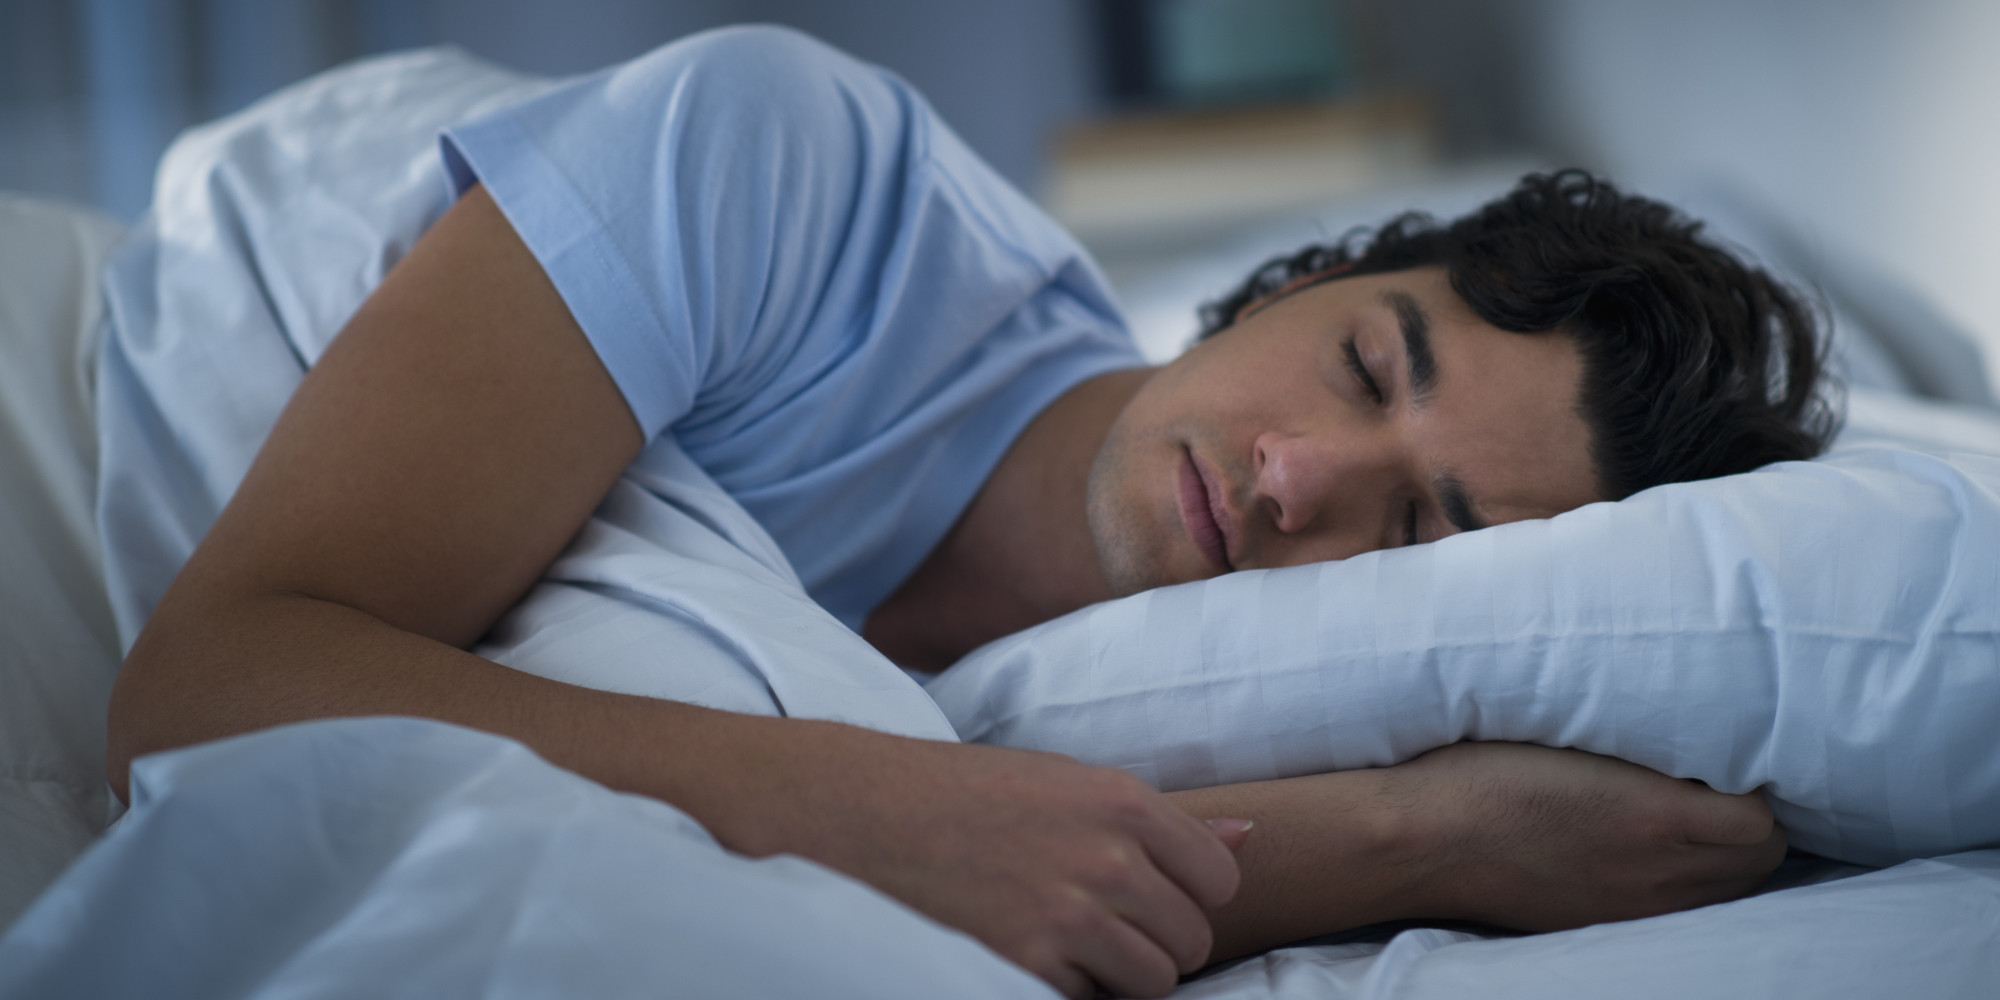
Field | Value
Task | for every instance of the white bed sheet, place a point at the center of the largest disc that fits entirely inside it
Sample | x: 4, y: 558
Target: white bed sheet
x: 58, y: 652
x: 1926, y: 928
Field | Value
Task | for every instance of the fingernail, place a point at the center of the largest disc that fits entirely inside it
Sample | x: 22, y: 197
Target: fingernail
x: 1230, y: 825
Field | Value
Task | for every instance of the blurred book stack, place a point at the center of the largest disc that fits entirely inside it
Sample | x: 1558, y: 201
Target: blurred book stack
x: 1155, y: 182
x: 1226, y: 113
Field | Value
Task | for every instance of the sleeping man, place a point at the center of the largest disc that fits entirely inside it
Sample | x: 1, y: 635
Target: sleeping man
x: 777, y: 258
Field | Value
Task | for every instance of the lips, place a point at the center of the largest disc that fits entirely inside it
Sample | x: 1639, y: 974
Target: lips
x: 1199, y: 517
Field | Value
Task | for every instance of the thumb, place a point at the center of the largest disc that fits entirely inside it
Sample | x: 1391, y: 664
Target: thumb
x: 1232, y: 832
x: 1712, y: 817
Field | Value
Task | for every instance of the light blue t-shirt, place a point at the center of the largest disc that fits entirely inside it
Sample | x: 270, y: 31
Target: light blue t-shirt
x: 790, y: 264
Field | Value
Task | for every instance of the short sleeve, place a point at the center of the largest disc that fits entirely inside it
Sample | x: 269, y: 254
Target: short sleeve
x: 702, y: 209
x: 787, y: 261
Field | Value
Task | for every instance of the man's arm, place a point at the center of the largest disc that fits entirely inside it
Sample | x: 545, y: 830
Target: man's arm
x: 441, y: 454
x: 1507, y: 834
x: 431, y: 465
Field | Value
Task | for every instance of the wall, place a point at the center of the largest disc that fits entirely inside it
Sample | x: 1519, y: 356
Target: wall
x: 1869, y: 120
x: 92, y: 90
x: 1871, y: 123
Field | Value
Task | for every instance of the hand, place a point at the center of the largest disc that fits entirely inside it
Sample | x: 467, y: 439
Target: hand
x: 1539, y: 839
x: 1084, y: 876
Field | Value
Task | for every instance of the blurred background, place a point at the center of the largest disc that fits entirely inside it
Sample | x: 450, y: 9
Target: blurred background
x: 1150, y: 125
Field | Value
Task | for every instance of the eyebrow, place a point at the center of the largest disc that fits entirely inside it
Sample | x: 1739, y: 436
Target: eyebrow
x: 1423, y: 371
x: 1416, y: 326
x: 1457, y: 505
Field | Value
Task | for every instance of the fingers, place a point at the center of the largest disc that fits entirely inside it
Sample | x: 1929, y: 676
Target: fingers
x: 1189, y: 852
x: 1734, y: 842
x: 1233, y: 833
x: 1125, y: 927
x: 1735, y: 863
x: 1068, y: 980
x: 1714, y: 873
x: 1187, y: 866
x: 1158, y: 909
x: 1127, y: 962
x: 1712, y: 817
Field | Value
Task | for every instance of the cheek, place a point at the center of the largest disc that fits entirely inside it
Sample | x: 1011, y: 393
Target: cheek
x: 1230, y: 388
x: 1115, y: 513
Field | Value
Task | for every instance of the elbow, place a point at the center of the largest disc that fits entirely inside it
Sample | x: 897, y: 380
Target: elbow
x: 126, y: 727
x: 202, y: 669
x: 148, y: 712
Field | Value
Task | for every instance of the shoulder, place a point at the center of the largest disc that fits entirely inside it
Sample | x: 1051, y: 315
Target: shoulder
x: 763, y: 79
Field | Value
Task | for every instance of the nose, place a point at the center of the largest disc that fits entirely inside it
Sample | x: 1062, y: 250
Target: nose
x: 1316, y: 484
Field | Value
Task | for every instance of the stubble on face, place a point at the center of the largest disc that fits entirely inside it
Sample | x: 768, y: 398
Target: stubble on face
x: 1111, y: 529
x: 1133, y: 528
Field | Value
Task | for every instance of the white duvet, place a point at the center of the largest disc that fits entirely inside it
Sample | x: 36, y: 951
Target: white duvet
x: 399, y: 857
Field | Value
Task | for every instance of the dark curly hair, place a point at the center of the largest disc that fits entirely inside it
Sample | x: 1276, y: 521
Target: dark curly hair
x: 1695, y: 364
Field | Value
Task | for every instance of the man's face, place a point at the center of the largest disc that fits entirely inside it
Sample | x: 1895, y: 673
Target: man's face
x: 1360, y: 414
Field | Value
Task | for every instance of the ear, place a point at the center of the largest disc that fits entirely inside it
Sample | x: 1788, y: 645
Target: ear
x: 1301, y: 282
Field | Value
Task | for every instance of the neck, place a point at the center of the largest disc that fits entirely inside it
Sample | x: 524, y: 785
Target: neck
x: 1021, y: 553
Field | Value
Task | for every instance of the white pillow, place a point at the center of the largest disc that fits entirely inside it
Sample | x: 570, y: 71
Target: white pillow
x: 58, y: 650
x: 1829, y: 630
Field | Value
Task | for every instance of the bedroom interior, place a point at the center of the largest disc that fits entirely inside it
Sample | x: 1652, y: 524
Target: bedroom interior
x: 1826, y: 631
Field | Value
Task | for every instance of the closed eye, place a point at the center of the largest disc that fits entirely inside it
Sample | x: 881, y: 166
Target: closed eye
x: 1360, y: 370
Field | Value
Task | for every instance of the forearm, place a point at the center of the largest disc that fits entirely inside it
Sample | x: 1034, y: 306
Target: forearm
x: 208, y: 668
x: 1080, y: 875
x: 1329, y: 852
x: 1507, y: 834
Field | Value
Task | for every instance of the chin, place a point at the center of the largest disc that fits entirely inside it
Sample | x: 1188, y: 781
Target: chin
x: 1126, y: 539
x: 1120, y: 553
x: 1133, y: 551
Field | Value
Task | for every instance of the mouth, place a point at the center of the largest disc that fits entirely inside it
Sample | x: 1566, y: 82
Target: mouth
x: 1198, y: 514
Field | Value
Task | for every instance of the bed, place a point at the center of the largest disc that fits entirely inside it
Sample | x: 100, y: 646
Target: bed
x: 402, y: 857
